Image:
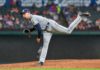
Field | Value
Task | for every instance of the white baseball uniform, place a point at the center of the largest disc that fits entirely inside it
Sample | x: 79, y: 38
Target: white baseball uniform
x: 52, y: 27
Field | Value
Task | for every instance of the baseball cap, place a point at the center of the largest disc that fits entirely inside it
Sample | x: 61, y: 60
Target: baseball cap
x: 24, y: 11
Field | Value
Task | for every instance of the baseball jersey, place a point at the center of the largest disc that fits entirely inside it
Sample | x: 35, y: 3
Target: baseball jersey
x: 36, y: 19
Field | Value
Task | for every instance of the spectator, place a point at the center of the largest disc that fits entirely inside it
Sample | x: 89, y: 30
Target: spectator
x: 93, y: 4
x: 98, y: 23
x: 14, y: 10
x: 1, y: 17
x: 53, y: 12
x: 9, y: 23
x: 69, y: 13
x: 81, y: 26
x: 18, y: 4
x: 17, y: 23
x: 10, y: 18
x: 98, y: 8
x: 53, y: 8
x: 1, y: 26
x: 12, y: 3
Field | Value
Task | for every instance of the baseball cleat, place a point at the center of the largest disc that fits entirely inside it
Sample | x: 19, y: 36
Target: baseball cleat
x: 41, y: 63
x: 85, y: 14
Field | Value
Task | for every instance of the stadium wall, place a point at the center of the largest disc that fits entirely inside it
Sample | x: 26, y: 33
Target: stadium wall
x: 18, y: 48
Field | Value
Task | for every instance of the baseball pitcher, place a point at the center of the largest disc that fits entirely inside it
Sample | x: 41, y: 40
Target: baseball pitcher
x: 46, y: 27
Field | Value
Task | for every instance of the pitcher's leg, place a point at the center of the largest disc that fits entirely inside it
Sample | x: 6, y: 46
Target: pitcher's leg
x: 71, y: 27
x: 74, y: 24
x: 46, y: 40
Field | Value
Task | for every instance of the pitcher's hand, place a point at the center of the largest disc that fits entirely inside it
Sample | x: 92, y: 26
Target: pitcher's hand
x: 38, y: 40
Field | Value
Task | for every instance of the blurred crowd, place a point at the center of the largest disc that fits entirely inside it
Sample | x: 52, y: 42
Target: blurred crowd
x: 11, y: 19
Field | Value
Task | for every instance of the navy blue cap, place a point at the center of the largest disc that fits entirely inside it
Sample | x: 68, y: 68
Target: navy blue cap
x: 24, y: 11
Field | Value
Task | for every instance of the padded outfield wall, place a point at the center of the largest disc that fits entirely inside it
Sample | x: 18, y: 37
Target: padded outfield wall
x: 16, y: 48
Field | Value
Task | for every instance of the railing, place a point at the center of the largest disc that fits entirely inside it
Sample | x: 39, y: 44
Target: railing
x: 34, y: 33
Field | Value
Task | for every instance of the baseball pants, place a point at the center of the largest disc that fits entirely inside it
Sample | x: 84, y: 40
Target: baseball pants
x: 59, y: 28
